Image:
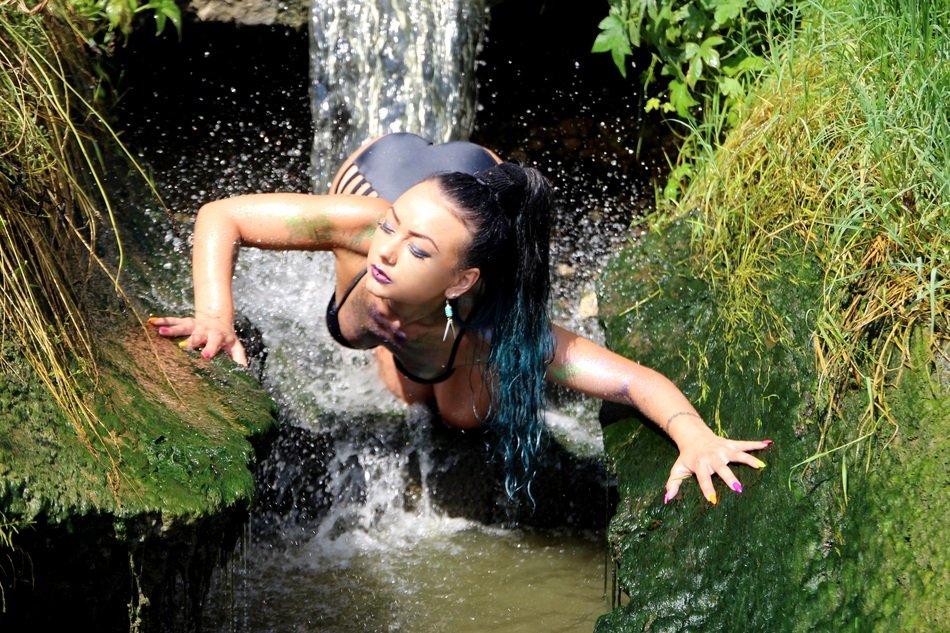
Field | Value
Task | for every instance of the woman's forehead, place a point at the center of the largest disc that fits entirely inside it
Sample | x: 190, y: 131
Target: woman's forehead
x: 425, y: 202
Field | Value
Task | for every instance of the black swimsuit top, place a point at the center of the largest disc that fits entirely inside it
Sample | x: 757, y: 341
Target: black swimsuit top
x: 333, y: 325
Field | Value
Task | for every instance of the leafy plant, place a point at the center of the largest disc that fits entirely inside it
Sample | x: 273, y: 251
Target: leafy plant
x: 102, y: 21
x: 703, y: 48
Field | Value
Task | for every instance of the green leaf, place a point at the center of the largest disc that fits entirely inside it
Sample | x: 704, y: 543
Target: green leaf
x: 767, y: 6
x: 727, y: 10
x: 612, y: 37
x: 633, y: 32
x: 681, y: 98
x: 730, y: 87
x: 691, y: 50
x: 619, y: 61
x: 164, y: 10
x: 695, y: 71
x: 746, y: 64
x: 652, y: 104
x: 115, y: 11
x: 708, y: 52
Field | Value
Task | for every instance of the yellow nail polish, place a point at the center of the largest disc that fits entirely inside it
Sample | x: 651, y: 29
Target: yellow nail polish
x: 712, y: 499
x: 183, y: 345
x: 759, y: 463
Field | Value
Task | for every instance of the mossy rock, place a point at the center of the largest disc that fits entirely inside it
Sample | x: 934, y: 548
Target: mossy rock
x: 788, y: 554
x: 125, y: 519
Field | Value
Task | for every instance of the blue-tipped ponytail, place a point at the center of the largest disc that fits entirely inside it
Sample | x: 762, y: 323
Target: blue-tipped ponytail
x: 507, y: 209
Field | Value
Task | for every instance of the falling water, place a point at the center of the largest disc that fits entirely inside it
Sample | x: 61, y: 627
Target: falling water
x: 390, y: 66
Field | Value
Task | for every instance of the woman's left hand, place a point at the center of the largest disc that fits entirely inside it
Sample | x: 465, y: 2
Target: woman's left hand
x: 707, y: 454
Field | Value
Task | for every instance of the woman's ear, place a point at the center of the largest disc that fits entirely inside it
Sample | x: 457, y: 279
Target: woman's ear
x: 464, y: 282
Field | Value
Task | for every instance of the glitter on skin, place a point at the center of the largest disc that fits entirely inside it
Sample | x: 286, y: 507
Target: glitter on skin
x: 318, y: 229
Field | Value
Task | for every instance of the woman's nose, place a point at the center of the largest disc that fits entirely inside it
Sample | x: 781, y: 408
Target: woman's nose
x: 387, y: 250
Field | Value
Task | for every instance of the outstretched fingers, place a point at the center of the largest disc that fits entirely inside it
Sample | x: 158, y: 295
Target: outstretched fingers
x: 714, y: 462
x: 236, y: 351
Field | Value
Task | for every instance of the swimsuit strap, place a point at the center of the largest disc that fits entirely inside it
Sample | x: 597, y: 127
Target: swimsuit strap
x: 333, y: 311
x: 441, y: 377
x: 352, y: 285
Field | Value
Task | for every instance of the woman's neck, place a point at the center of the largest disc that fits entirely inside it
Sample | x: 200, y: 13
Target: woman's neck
x: 403, y: 315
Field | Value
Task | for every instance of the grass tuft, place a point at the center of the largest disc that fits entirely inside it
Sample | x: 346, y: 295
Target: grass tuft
x: 842, y: 155
x: 53, y: 207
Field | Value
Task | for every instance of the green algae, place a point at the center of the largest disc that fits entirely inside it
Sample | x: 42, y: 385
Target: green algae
x: 894, y: 543
x: 123, y: 530
x: 176, y: 454
x: 797, y: 551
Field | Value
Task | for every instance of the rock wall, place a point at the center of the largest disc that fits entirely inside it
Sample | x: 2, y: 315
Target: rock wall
x: 819, y: 546
x: 294, y: 13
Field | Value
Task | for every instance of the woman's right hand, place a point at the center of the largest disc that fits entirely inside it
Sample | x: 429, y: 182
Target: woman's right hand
x: 208, y: 334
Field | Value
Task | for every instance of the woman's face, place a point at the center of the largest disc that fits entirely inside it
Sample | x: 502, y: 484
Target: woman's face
x: 415, y: 253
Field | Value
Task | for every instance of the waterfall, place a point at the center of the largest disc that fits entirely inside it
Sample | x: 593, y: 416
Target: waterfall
x: 381, y: 66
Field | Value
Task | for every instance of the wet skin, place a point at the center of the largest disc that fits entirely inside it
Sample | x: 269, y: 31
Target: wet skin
x: 412, y: 251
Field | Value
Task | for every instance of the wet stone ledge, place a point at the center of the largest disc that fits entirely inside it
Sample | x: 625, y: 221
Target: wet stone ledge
x: 119, y: 527
x: 796, y: 551
x: 292, y: 13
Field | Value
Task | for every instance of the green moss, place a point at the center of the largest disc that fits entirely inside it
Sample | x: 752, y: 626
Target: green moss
x: 688, y: 564
x: 893, y: 551
x: 180, y: 455
x: 788, y: 554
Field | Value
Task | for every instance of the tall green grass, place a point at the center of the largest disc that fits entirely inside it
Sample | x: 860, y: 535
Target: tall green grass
x: 54, y: 209
x: 842, y: 155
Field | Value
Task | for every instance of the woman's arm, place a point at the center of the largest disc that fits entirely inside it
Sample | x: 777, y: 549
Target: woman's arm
x: 286, y: 221
x: 589, y: 368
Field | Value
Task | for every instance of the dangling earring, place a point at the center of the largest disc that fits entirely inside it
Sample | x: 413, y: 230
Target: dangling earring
x: 449, y: 323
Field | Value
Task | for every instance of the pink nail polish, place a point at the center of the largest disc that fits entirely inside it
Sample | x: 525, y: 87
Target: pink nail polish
x: 767, y: 442
x: 163, y: 331
x: 737, y: 487
x: 666, y: 498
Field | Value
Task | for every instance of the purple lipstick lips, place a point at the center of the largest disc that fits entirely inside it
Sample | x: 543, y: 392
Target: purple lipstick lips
x: 379, y: 275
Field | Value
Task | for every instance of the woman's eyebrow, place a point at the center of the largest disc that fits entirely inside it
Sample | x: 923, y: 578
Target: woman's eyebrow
x: 421, y: 236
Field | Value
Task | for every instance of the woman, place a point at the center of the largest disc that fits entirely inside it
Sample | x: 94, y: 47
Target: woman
x: 441, y: 255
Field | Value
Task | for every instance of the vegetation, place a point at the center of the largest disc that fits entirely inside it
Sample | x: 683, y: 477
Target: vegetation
x: 52, y: 197
x: 707, y: 51
x: 841, y: 154
x: 795, y: 282
x: 845, y: 150
x: 53, y: 204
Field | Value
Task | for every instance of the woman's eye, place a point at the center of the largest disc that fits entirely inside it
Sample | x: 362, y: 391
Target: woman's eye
x: 418, y: 252
x: 384, y: 226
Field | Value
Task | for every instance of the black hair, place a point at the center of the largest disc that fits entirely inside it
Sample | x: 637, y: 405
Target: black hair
x: 507, y: 209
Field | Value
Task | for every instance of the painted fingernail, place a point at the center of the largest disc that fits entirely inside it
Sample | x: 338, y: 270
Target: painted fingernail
x: 666, y: 498
x: 163, y: 330
x: 183, y: 345
x: 737, y: 487
x: 759, y: 463
x: 767, y: 442
x: 152, y: 320
x: 712, y: 499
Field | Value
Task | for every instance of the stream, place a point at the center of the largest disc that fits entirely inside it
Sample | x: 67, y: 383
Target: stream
x: 373, y: 516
